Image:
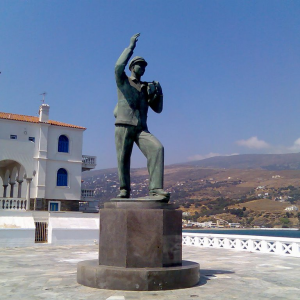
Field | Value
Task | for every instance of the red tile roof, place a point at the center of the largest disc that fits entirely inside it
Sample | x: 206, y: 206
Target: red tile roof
x: 32, y: 119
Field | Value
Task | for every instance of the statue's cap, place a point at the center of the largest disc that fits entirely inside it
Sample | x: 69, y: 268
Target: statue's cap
x: 136, y: 60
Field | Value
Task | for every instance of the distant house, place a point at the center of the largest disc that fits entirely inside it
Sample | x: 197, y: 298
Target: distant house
x: 292, y: 208
x: 213, y: 225
x: 186, y: 214
x: 260, y: 187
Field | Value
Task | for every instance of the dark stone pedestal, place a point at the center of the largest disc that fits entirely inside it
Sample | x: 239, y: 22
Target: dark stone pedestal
x: 89, y: 273
x: 140, y: 249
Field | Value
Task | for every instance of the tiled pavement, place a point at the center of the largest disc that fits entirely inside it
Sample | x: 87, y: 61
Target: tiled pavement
x: 49, y: 272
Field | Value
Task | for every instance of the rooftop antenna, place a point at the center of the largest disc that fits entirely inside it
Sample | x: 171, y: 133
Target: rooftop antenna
x: 43, y: 94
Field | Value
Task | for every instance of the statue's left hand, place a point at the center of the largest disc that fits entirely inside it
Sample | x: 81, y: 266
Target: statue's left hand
x: 133, y: 40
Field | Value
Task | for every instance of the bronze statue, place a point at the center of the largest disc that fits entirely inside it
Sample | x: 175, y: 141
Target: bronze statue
x: 134, y: 98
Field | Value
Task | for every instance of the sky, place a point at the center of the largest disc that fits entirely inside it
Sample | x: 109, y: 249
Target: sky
x: 229, y: 71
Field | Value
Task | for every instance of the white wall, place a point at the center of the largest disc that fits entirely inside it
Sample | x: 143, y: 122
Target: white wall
x: 23, y: 130
x: 43, y: 158
x: 17, y: 229
x: 71, y: 161
x: 75, y: 137
x: 73, y: 228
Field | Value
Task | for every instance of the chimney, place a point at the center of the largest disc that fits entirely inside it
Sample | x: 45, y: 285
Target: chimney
x: 44, y: 113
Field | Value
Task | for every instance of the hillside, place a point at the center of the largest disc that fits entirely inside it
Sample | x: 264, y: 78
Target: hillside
x: 206, y: 192
x: 270, y: 162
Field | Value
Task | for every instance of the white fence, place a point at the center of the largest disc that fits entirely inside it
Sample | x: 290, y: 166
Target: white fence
x: 13, y: 204
x: 250, y: 243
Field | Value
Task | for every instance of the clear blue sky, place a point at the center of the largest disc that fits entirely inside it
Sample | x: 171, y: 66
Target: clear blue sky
x: 230, y: 70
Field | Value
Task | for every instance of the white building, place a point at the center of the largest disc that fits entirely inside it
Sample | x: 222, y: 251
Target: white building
x: 41, y: 160
x: 292, y: 208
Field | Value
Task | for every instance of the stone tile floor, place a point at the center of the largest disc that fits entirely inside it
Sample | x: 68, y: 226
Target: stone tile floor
x: 49, y: 272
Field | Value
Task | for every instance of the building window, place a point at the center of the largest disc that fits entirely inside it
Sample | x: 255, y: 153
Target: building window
x: 62, y: 177
x: 13, y: 137
x: 54, y: 206
x: 31, y: 139
x: 63, y: 144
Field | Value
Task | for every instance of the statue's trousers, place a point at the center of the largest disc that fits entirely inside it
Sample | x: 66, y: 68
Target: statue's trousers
x: 125, y: 136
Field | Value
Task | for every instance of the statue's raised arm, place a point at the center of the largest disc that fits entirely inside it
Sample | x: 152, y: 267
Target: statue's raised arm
x: 124, y: 58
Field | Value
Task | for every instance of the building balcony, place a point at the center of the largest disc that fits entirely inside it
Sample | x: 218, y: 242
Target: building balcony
x: 89, y: 204
x: 88, y: 162
x: 87, y: 195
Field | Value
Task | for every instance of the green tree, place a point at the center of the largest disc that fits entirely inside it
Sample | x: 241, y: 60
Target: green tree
x: 284, y: 221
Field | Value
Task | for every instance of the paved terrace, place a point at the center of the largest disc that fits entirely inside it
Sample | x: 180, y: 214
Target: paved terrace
x: 49, y: 272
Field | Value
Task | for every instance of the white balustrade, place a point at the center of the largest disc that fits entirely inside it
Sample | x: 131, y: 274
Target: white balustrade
x: 89, y: 160
x: 87, y: 193
x: 250, y: 243
x: 13, y: 204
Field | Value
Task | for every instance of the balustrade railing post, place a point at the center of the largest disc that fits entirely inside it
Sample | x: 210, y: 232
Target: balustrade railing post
x: 198, y: 243
x: 278, y: 247
x: 250, y: 246
x: 216, y: 242
x: 295, y: 250
x: 226, y: 243
x: 205, y: 243
x: 263, y: 246
x: 187, y: 240
x: 238, y: 244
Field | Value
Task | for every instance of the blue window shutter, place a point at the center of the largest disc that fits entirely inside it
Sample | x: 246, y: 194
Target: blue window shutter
x: 63, y: 144
x: 62, y: 177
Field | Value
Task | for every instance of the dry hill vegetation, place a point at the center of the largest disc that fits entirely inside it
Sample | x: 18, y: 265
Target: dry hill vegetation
x: 252, y: 197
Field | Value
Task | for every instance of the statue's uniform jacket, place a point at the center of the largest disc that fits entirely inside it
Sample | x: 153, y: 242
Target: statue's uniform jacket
x: 132, y: 107
x: 131, y: 126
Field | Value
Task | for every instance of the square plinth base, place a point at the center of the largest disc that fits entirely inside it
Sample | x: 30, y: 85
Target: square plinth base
x: 137, y: 237
x: 89, y: 273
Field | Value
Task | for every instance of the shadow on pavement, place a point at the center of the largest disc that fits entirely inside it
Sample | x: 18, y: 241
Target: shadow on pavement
x: 206, y: 275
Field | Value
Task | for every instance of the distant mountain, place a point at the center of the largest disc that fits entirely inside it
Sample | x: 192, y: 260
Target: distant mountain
x: 271, y: 162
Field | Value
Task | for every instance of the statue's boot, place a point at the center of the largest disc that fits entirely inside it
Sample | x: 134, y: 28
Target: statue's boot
x: 159, y: 192
x: 124, y: 194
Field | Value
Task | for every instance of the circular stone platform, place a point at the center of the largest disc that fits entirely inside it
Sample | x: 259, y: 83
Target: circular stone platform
x: 90, y: 273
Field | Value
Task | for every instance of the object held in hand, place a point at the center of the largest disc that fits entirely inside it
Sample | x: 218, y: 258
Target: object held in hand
x: 154, y: 90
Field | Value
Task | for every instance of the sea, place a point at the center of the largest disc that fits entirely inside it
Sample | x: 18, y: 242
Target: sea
x: 290, y: 233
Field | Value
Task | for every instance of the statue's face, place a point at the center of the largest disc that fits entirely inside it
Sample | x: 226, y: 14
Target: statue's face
x: 139, y: 69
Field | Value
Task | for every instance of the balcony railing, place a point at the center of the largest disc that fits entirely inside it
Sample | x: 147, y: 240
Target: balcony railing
x: 87, y: 193
x: 13, y: 204
x: 88, y: 162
